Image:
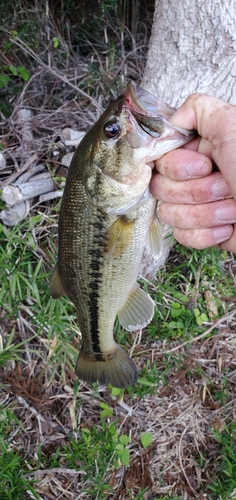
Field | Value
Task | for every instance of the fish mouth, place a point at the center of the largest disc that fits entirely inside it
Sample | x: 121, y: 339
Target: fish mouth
x: 144, y: 103
x: 153, y: 126
x: 152, y: 113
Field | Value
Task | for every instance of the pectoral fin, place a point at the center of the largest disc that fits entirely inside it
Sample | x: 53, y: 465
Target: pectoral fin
x: 137, y: 311
x: 56, y: 286
x: 119, y: 236
x: 155, y: 237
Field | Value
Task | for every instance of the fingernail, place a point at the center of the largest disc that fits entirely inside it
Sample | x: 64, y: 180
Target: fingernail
x: 220, y: 188
x: 226, y: 213
x: 196, y: 168
x: 222, y: 233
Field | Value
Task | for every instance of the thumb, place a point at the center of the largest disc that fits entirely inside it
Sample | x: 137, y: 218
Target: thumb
x: 215, y: 121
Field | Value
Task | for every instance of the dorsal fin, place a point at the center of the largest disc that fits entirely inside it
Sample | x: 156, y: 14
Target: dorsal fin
x: 56, y: 286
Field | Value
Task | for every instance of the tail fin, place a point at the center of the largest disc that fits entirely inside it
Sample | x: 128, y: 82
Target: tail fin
x: 120, y: 370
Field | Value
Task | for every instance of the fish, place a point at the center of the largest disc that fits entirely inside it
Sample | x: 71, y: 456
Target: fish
x: 107, y: 219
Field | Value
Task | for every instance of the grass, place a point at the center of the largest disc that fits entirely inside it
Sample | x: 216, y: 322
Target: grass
x: 225, y: 478
x: 96, y: 53
x: 88, y: 436
x: 13, y: 481
x: 171, y: 435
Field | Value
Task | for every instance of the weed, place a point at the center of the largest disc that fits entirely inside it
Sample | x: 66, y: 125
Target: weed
x: 167, y: 498
x: 97, y: 451
x: 13, y: 482
x: 92, y: 441
x: 10, y: 351
x: 183, y: 313
x: 223, y: 483
x: 146, y: 439
x: 102, y: 448
x: 6, y: 73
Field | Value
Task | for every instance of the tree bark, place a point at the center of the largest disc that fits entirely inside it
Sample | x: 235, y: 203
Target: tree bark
x: 192, y: 49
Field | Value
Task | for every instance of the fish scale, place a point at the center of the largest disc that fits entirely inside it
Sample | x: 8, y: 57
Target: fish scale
x: 107, y: 219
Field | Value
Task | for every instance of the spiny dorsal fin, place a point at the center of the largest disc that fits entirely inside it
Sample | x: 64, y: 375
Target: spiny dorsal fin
x: 119, y: 236
x: 56, y: 286
x: 137, y: 311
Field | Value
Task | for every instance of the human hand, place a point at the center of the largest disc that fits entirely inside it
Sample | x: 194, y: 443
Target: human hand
x: 198, y: 202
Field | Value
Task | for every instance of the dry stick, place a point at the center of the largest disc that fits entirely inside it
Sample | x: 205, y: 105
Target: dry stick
x: 40, y: 417
x: 15, y: 175
x: 64, y: 79
x: 12, y: 195
x: 47, y: 29
x: 17, y: 168
x: 202, y: 335
x: 180, y: 460
x: 54, y: 470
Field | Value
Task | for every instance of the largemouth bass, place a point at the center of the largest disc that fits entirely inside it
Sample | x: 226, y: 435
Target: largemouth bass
x: 107, y: 218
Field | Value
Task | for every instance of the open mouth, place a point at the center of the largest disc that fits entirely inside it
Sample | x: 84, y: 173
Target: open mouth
x: 154, y: 126
x: 152, y: 115
x: 141, y: 101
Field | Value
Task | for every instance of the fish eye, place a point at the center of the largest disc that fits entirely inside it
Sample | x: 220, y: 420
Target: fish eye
x: 112, y: 130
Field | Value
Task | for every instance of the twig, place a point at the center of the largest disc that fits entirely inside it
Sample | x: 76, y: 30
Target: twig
x: 13, y: 215
x: 180, y: 459
x: 35, y: 169
x: 137, y: 341
x: 202, y: 335
x: 12, y: 195
x: 16, y: 165
x: 55, y: 470
x: 15, y: 175
x: 50, y: 196
x: 33, y: 410
x: 53, y: 425
x: 64, y: 79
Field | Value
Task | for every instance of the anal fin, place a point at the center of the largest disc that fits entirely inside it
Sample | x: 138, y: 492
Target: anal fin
x: 138, y: 310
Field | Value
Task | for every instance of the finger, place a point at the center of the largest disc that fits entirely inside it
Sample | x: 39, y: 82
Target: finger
x: 230, y: 244
x: 208, y: 215
x: 205, y: 238
x: 183, y: 164
x: 201, y: 112
x: 215, y: 121
x: 210, y: 188
x: 200, y: 145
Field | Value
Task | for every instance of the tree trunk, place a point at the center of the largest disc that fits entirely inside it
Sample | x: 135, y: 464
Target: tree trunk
x: 192, y: 49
